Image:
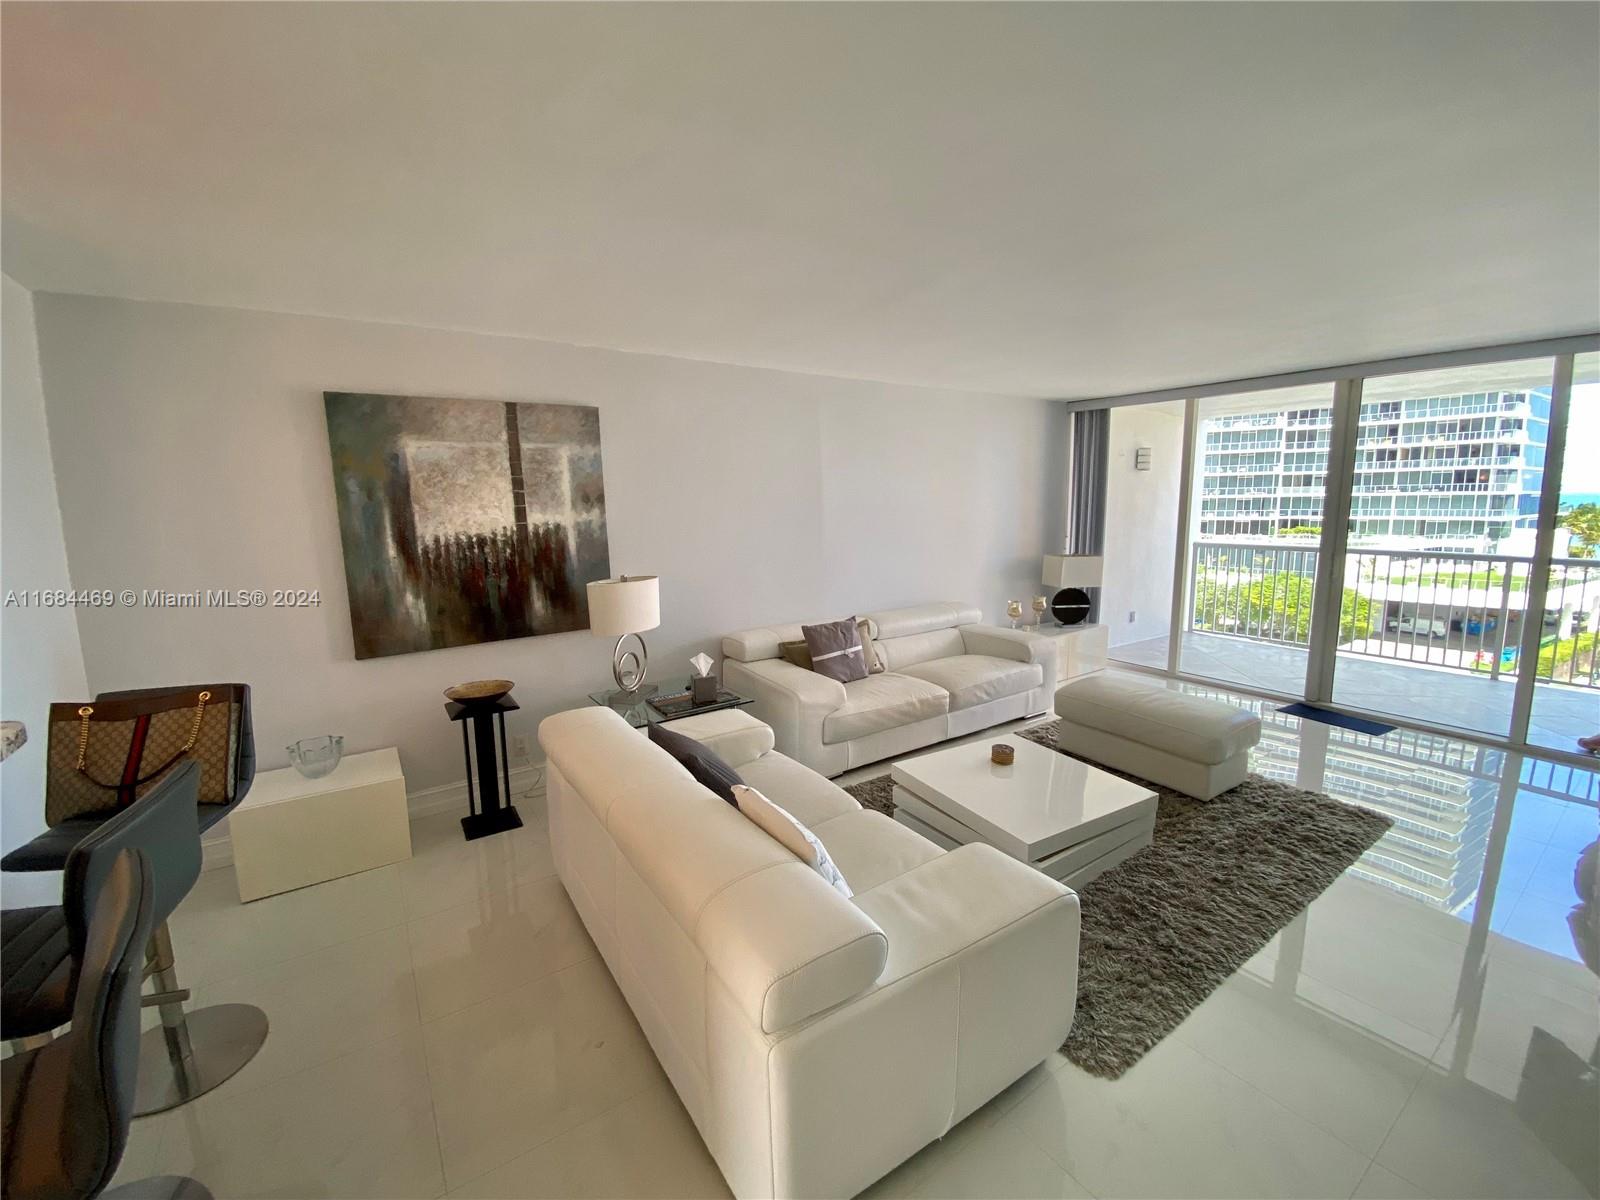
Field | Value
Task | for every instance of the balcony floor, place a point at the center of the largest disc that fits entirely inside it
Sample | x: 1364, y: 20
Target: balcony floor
x: 1432, y: 695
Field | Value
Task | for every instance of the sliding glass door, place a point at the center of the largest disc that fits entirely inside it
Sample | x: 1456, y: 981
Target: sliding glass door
x: 1565, y: 701
x: 1258, y: 490
x: 1443, y: 515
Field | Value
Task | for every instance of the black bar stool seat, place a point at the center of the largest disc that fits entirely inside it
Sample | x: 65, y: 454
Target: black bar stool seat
x: 38, y: 972
x: 48, y: 851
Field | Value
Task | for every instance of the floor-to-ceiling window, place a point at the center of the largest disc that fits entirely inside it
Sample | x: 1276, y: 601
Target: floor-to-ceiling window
x: 1420, y: 544
x: 1566, y: 688
x: 1257, y: 495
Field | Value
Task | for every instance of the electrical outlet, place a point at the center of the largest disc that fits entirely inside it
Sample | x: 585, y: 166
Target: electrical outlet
x: 1132, y: 616
x: 519, y: 748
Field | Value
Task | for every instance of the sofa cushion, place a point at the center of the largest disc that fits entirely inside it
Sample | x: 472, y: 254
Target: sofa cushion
x: 1190, y: 727
x: 883, y: 702
x: 871, y: 848
x: 901, y: 652
x: 836, y: 650
x: 794, y: 837
x: 974, y: 679
x: 807, y: 795
x: 704, y: 763
x: 923, y: 618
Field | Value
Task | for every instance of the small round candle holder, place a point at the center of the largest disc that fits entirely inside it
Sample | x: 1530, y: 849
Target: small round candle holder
x: 1002, y: 755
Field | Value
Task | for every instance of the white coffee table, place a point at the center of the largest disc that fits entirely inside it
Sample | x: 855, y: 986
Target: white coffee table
x: 1061, y: 816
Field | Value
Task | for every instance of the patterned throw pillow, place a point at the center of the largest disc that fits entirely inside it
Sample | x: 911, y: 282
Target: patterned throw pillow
x: 836, y: 650
x: 790, y: 834
x: 699, y: 760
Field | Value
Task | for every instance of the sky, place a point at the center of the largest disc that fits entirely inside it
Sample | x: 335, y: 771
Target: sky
x: 1581, y: 472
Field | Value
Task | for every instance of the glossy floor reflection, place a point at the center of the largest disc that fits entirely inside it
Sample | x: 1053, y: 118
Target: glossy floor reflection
x: 1450, y: 699
x: 1426, y: 1028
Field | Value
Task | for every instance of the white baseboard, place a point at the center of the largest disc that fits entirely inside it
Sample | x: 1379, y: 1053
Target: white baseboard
x: 526, y: 781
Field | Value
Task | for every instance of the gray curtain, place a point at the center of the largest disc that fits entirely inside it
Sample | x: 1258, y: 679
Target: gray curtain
x: 1086, y: 517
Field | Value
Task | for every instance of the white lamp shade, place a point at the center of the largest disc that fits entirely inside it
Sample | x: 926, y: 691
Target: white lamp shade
x: 1073, y: 570
x: 631, y: 604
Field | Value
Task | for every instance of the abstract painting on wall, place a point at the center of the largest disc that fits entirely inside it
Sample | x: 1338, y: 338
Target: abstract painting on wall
x: 465, y: 521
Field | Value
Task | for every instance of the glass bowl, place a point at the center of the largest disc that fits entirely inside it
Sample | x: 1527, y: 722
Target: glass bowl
x: 315, y: 757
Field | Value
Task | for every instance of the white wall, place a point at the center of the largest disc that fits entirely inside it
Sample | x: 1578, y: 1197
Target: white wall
x: 1141, y: 521
x: 40, y: 657
x: 191, y: 452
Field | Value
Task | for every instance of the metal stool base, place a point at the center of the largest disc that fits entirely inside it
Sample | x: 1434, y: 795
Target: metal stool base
x: 222, y: 1038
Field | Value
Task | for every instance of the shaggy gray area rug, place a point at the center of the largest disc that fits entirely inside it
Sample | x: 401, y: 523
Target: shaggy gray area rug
x: 1164, y: 928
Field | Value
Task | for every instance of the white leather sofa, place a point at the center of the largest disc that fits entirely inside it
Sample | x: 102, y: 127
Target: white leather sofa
x: 816, y: 1041
x: 947, y: 675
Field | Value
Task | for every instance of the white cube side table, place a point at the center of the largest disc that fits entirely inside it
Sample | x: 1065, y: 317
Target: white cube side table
x: 1080, y: 649
x: 290, y: 832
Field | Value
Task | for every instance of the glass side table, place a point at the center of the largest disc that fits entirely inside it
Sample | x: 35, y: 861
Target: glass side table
x: 673, y: 704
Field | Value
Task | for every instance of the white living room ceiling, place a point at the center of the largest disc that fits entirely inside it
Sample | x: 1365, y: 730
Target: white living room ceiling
x: 1057, y: 200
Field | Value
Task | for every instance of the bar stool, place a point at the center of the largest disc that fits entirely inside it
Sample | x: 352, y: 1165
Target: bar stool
x: 188, y: 1054
x: 67, y: 1105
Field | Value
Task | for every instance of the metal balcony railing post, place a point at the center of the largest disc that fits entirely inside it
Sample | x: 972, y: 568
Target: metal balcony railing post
x: 1505, y: 621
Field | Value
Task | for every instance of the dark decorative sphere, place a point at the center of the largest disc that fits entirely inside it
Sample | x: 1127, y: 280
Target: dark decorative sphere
x: 1070, y: 606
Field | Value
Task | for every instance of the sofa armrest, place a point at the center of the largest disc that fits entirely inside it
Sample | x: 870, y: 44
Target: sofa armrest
x: 958, y: 900
x: 791, y: 699
x: 787, y: 946
x: 1016, y: 644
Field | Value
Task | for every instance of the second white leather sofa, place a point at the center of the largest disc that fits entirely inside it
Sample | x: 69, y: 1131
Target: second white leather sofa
x: 948, y: 675
x: 816, y: 1041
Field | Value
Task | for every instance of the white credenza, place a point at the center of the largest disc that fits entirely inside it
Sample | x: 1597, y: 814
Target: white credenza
x: 290, y: 832
x: 1080, y: 649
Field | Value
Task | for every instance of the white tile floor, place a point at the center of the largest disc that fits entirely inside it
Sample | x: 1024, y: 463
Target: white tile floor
x: 444, y: 1026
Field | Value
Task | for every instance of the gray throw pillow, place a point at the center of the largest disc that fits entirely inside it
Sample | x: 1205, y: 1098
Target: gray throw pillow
x: 836, y: 650
x: 707, y: 766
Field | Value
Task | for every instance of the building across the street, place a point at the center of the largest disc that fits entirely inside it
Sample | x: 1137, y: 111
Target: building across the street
x: 1459, y: 472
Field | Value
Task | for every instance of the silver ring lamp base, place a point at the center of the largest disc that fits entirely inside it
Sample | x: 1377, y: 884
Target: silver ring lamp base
x: 628, y: 668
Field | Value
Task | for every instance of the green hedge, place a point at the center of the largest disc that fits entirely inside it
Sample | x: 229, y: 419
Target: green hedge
x: 1281, y: 602
x: 1561, y: 660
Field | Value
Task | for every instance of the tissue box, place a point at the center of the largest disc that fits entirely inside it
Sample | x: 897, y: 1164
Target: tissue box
x: 703, y: 689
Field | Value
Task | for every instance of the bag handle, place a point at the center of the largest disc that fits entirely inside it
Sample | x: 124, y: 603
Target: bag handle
x: 87, y: 710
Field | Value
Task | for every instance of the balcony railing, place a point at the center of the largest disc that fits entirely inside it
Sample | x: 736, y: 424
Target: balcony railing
x: 1461, y: 612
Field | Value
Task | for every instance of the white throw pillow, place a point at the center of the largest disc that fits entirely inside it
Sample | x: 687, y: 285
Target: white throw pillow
x: 790, y: 834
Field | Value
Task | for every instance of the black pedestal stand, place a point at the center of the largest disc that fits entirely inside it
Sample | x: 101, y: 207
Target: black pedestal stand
x: 489, y: 807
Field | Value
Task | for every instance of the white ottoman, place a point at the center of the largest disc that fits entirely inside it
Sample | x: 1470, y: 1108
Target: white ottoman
x: 1195, y: 746
x: 732, y: 734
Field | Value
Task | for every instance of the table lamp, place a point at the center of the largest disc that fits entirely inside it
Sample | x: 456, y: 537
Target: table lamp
x: 1072, y: 573
x: 622, y: 608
